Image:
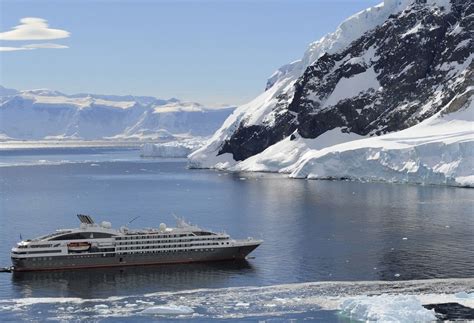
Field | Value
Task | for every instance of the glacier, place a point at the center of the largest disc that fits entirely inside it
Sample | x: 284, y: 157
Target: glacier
x: 440, y: 150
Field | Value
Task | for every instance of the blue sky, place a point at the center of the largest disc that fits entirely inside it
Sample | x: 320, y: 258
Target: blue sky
x: 213, y: 52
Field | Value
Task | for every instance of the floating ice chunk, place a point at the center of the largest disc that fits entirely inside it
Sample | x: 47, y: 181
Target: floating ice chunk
x: 101, y: 306
x: 404, y: 238
x: 168, y: 310
x: 397, y: 275
x: 241, y: 304
x: 464, y: 295
x: 385, y: 308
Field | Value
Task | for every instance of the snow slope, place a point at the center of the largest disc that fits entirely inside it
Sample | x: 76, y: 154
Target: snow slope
x: 51, y: 115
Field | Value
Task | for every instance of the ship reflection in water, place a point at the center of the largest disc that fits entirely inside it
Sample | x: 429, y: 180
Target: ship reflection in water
x: 96, y: 283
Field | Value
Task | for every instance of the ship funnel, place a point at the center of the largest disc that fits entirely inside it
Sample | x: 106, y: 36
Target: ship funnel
x: 87, y: 219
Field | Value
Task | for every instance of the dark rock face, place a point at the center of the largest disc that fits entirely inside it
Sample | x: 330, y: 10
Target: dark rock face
x: 414, y: 59
x: 452, y: 311
x: 248, y: 141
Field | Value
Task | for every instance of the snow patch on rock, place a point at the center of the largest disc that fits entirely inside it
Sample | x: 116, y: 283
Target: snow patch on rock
x: 351, y: 87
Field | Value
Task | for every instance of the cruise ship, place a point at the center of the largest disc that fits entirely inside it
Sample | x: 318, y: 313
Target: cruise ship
x: 99, y: 245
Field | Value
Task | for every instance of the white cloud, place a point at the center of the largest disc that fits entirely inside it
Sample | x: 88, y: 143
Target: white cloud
x: 45, y: 45
x: 12, y: 49
x: 33, y: 46
x: 33, y: 29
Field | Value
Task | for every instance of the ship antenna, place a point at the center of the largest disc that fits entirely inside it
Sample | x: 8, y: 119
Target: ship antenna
x: 133, y: 219
x: 180, y: 222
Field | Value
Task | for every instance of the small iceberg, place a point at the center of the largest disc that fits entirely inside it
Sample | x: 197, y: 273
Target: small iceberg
x: 172, y: 149
x: 387, y: 308
x: 464, y: 295
x: 168, y: 310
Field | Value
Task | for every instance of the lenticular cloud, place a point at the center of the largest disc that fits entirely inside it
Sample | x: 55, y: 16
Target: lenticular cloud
x: 33, y: 29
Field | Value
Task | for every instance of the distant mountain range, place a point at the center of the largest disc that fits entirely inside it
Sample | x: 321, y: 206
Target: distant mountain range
x: 384, y: 71
x: 44, y: 114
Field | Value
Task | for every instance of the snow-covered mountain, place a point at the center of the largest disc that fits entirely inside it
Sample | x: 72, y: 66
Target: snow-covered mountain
x: 44, y: 114
x: 383, y: 70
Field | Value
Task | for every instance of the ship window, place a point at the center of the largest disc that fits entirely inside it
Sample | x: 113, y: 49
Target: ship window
x: 40, y: 246
x: 203, y: 233
x: 45, y: 251
x: 83, y: 235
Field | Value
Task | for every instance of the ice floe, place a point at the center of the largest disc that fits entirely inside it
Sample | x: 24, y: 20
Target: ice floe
x: 168, y: 310
x: 398, y: 300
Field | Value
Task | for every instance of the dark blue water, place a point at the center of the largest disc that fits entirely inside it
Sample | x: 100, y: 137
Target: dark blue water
x: 312, y: 230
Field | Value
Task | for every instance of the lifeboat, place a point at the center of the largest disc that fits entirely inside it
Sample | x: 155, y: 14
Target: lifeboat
x: 78, y: 246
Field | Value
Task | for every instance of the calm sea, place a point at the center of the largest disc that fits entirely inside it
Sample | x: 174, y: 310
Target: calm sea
x: 313, y: 231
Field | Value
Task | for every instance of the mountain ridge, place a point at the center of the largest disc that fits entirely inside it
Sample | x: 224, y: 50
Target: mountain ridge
x: 44, y: 114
